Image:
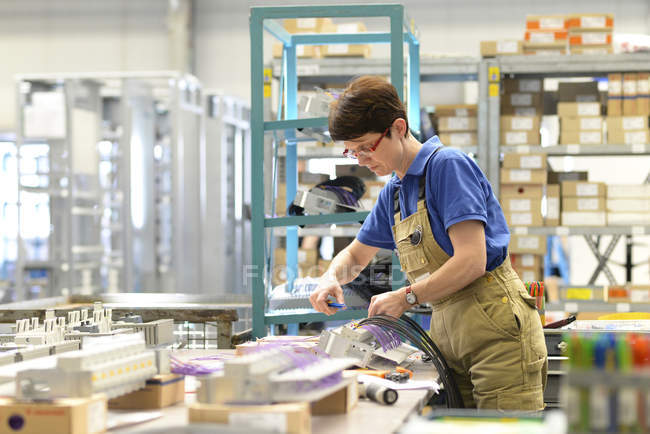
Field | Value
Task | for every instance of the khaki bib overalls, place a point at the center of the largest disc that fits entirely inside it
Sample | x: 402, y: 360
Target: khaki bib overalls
x: 489, y: 332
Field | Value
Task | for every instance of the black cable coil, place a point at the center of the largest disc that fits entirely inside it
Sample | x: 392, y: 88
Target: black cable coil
x: 410, y: 330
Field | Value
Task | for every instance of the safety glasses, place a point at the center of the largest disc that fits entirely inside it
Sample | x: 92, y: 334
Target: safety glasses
x: 364, y: 152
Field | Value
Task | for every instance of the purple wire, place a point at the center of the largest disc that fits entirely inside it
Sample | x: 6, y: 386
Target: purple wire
x: 188, y: 368
x: 387, y: 339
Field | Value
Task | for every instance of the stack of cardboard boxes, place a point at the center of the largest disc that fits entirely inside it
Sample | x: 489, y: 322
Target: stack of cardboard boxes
x: 523, y: 97
x: 508, y: 47
x: 628, y: 94
x: 581, y: 123
x: 523, y: 183
x: 583, y: 203
x: 628, y: 130
x: 628, y: 204
x: 545, y: 34
x: 456, y: 124
x: 324, y: 25
x: 590, y: 33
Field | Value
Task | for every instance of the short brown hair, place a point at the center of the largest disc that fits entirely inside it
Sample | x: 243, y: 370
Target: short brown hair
x: 369, y: 104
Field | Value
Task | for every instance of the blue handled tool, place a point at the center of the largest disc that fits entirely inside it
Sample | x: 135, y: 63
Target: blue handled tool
x: 331, y: 303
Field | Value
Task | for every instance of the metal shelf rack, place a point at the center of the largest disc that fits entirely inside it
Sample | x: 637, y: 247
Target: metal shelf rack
x: 265, y: 18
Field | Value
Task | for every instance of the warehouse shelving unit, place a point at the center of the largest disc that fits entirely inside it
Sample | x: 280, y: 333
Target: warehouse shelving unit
x: 565, y: 66
x: 265, y: 18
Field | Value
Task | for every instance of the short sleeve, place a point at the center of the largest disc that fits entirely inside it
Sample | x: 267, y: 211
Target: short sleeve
x: 458, y: 192
x: 377, y: 229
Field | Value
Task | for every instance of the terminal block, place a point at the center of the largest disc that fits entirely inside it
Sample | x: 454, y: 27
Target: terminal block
x: 359, y: 344
x: 159, y: 332
x: 114, y: 366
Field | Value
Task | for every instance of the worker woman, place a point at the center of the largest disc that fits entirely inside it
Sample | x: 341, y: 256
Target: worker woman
x: 441, y: 215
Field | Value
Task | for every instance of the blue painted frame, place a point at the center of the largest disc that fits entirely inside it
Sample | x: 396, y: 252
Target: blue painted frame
x: 264, y: 18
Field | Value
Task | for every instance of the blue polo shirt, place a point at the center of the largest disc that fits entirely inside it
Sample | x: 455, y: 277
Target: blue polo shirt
x: 456, y: 190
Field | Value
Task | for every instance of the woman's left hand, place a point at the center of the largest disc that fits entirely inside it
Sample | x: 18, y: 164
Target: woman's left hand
x: 392, y: 303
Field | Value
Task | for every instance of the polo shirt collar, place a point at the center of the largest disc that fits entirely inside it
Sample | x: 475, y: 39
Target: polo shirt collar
x: 417, y: 166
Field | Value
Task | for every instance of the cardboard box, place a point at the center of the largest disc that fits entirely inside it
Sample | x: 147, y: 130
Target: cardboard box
x: 521, y: 204
x: 524, y: 218
x: 458, y: 139
x: 501, y: 48
x: 523, y: 176
x: 345, y: 50
x: 292, y: 418
x: 615, y: 84
x: 590, y: 21
x: 624, y: 191
x: 626, y: 123
x: 521, y: 190
x: 552, y: 205
x: 592, y: 50
x: 583, y: 189
x: 590, y: 38
x: 618, y: 137
x: 159, y: 392
x: 581, y: 138
x: 527, y: 244
x: 524, y: 161
x: 302, y: 51
x: 456, y: 110
x: 614, y: 106
x: 520, y: 123
x: 521, y: 111
x: 546, y: 37
x: 559, y: 177
x: 628, y: 218
x: 512, y: 138
x: 630, y: 106
x: 373, y: 188
x: 630, y: 82
x: 643, y: 83
x: 529, y: 274
x: 573, y: 109
x: 307, y: 25
x: 522, y: 99
x: 521, y: 260
x: 584, y: 218
x: 581, y: 123
x: 546, y: 22
x: 643, y: 105
x: 583, y: 203
x: 578, y: 92
x: 339, y: 402
x: 628, y: 205
x: 62, y: 416
x: 457, y: 123
x: 544, y: 51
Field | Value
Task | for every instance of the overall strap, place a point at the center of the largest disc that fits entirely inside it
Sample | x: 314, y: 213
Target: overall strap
x: 421, y: 190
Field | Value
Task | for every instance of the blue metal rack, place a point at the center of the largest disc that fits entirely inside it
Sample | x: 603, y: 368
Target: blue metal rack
x: 264, y: 18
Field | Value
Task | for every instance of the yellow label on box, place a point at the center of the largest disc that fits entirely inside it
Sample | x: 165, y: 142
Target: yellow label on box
x: 493, y: 89
x: 579, y: 294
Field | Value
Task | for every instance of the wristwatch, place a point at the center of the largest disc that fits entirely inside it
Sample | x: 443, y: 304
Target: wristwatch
x: 411, y: 298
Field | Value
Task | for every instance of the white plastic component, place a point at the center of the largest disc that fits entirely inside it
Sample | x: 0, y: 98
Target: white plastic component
x: 159, y: 332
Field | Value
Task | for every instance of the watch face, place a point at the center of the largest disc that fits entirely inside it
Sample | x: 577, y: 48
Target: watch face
x: 410, y: 298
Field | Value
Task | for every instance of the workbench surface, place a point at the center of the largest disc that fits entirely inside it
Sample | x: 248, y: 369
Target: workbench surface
x: 368, y: 417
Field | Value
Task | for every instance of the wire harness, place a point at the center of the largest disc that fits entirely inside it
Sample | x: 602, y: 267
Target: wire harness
x: 408, y: 329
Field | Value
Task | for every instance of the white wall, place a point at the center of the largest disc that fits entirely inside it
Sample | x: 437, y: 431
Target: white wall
x: 43, y: 36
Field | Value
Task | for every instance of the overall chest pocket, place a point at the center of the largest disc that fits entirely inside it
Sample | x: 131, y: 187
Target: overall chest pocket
x: 412, y: 257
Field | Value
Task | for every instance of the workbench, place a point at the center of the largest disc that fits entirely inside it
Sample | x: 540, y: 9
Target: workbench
x: 150, y: 306
x: 368, y: 416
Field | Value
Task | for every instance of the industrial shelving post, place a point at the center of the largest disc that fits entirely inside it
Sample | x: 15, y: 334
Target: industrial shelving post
x: 264, y: 18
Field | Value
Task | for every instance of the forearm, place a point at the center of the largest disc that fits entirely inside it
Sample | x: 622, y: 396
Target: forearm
x: 453, y: 275
x: 344, y: 268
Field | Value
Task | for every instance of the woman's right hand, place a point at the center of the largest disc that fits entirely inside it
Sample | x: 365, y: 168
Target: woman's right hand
x: 326, y: 287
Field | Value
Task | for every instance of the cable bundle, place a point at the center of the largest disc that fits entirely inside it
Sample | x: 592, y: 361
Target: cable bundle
x: 410, y: 330
x: 388, y: 339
